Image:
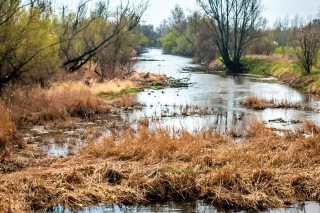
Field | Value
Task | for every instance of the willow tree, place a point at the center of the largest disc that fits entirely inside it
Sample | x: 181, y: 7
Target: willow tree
x: 81, y: 39
x: 234, y: 24
x: 307, y: 45
x: 26, y: 41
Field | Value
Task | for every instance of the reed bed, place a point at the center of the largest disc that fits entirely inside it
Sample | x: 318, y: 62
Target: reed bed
x: 252, y: 102
x: 9, y: 136
x: 266, y: 171
x: 61, y: 102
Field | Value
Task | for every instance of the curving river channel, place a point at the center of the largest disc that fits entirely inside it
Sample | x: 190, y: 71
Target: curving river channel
x: 218, y: 97
x: 212, y: 101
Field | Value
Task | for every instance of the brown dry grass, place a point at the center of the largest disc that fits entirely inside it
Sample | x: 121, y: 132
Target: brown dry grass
x: 9, y: 135
x: 253, y: 102
x: 266, y: 171
x: 61, y: 102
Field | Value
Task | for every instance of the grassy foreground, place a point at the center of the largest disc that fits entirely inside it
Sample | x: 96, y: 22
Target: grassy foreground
x: 266, y: 171
x: 285, y: 69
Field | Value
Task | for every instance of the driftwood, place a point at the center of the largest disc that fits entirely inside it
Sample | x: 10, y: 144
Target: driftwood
x: 180, y: 82
x: 195, y: 69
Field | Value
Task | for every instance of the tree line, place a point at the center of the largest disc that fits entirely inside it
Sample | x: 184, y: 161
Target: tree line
x: 230, y: 29
x: 36, y: 41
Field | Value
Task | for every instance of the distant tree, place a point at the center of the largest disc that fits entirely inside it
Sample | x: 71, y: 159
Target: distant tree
x: 169, y: 41
x: 180, y: 38
x: 76, y: 49
x: 307, y: 46
x: 263, y: 46
x: 234, y: 24
x: 177, y: 19
x: 281, y: 33
x: 163, y: 28
x: 151, y: 34
x: 206, y: 49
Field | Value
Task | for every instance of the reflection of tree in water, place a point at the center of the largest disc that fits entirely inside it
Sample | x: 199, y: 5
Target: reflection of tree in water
x: 239, y: 79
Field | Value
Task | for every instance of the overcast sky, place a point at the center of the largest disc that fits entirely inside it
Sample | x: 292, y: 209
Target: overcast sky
x: 160, y: 9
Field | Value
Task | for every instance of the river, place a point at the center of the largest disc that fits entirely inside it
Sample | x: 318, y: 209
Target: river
x: 221, y: 97
x: 218, y: 96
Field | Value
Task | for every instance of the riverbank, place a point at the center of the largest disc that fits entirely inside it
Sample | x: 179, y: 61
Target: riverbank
x: 267, y: 171
x: 286, y: 70
x: 28, y: 112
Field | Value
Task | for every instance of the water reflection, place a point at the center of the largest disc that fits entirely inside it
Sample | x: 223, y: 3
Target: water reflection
x: 222, y: 93
x: 173, y: 207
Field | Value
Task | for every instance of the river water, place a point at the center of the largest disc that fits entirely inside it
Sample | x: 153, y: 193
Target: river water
x: 212, y: 101
x: 173, y: 207
x: 218, y: 97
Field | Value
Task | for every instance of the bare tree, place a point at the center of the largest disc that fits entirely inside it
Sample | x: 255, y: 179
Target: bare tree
x: 307, y: 46
x: 25, y: 43
x: 123, y: 20
x: 177, y: 18
x: 235, y: 24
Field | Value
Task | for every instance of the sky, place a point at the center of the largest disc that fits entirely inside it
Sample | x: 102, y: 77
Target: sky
x: 160, y: 9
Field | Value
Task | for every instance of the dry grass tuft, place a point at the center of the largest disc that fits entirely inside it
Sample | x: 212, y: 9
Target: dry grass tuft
x: 112, y: 176
x: 39, y: 196
x: 252, y: 102
x: 74, y: 177
x: 9, y: 136
x: 111, y: 86
x: 60, y: 102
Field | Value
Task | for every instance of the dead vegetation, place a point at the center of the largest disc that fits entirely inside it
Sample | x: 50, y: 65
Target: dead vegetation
x: 266, y: 171
x: 252, y: 102
x: 9, y: 136
x: 65, y: 100
x: 59, y: 103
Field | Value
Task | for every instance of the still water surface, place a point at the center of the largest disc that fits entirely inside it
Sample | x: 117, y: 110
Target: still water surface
x: 220, y: 96
x: 172, y: 207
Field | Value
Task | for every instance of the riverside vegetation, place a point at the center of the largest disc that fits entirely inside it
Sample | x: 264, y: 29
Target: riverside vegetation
x: 266, y: 171
x: 142, y: 165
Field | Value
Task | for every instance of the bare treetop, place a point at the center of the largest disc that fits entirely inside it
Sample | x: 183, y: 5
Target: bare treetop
x: 235, y: 24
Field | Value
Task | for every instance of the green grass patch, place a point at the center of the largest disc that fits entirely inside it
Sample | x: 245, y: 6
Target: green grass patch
x: 265, y: 66
x: 259, y: 66
x: 284, y: 51
x: 119, y: 94
x: 286, y: 70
